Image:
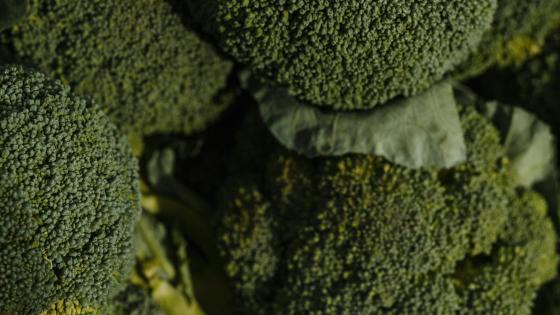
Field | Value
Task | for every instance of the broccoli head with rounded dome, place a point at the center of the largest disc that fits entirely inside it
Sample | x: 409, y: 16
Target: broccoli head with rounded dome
x: 69, y: 197
x: 359, y: 235
x: 137, y: 58
x: 345, y: 54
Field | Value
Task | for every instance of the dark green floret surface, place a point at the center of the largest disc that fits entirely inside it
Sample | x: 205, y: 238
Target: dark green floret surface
x: 359, y: 235
x: 137, y: 58
x: 518, y: 32
x: 348, y: 54
x: 69, y: 196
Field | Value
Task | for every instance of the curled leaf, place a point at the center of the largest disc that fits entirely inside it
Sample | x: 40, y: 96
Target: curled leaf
x: 419, y: 131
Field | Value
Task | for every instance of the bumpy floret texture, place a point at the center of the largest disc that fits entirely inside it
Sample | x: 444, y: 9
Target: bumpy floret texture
x: 522, y: 259
x: 69, y: 307
x: 132, y: 300
x: 518, y: 32
x: 359, y: 235
x: 348, y: 54
x: 137, y: 58
x: 68, y: 196
x: 535, y: 84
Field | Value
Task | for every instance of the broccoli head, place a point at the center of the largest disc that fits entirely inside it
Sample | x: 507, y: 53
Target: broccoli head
x: 518, y: 32
x: 135, y: 57
x: 69, y: 197
x: 348, y: 54
x: 359, y: 235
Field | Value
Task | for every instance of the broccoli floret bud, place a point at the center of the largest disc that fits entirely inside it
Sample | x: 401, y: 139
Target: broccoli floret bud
x: 69, y: 197
x: 518, y: 32
x: 348, y: 54
x: 522, y: 259
x: 63, y: 307
x: 359, y: 235
x: 247, y: 241
x: 135, y: 57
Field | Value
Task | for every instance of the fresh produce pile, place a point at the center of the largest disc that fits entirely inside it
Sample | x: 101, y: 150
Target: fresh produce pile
x: 192, y: 157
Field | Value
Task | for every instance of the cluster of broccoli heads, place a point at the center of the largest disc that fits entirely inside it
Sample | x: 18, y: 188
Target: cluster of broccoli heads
x: 89, y: 88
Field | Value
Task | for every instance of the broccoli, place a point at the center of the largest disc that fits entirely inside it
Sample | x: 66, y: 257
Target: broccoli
x: 69, y: 198
x: 132, y: 300
x: 359, y: 235
x: 518, y: 32
x: 135, y: 57
x: 347, y: 55
x: 535, y: 84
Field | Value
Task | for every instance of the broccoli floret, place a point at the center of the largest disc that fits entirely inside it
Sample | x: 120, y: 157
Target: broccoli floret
x: 348, y: 54
x: 69, y: 197
x: 535, y: 84
x: 68, y: 308
x: 359, y: 235
x: 518, y: 32
x: 132, y: 300
x: 522, y: 259
x: 135, y: 57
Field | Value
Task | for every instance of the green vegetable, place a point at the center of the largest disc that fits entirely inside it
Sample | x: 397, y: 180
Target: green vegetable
x: 518, y: 32
x: 528, y: 142
x: 418, y: 131
x: 535, y: 84
x: 150, y: 71
x: 162, y: 267
x: 133, y: 300
x: 69, y: 197
x: 359, y: 235
x: 347, y: 54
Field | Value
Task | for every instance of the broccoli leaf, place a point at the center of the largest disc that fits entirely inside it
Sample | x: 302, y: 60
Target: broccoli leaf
x: 419, y: 131
x: 11, y: 11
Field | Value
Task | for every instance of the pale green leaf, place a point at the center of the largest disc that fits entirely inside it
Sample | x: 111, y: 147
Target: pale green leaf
x: 419, y: 131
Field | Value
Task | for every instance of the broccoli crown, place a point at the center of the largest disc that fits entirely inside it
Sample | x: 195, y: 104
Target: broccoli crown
x: 517, y: 33
x: 359, y: 235
x: 69, y: 197
x: 135, y: 57
x: 348, y: 54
